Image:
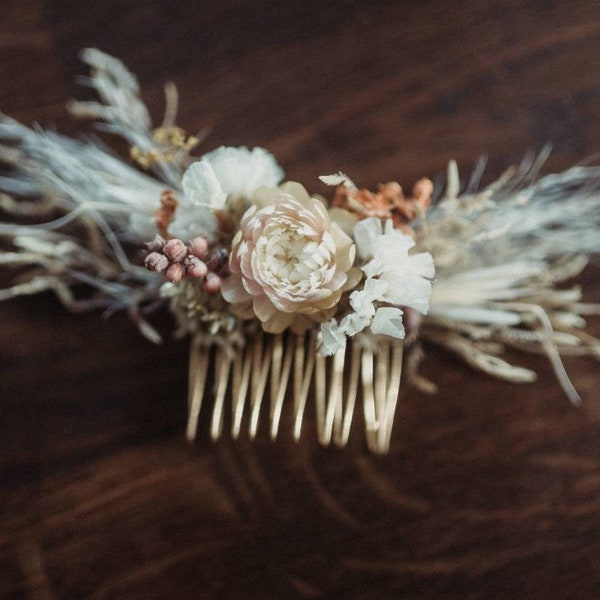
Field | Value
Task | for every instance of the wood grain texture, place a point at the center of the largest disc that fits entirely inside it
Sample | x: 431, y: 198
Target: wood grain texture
x: 490, y: 491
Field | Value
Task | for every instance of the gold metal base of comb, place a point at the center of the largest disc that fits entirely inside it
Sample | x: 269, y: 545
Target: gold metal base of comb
x: 286, y: 369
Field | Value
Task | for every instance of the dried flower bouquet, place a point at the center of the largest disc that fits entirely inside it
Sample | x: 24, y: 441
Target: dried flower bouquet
x: 285, y: 294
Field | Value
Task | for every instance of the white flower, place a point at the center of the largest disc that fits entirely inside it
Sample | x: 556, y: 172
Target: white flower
x: 407, y: 276
x: 393, y: 277
x: 241, y: 171
x: 221, y: 176
x: 288, y: 261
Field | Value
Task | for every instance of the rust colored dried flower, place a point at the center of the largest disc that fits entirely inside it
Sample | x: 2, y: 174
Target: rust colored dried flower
x: 422, y: 192
x: 389, y: 202
x: 165, y: 214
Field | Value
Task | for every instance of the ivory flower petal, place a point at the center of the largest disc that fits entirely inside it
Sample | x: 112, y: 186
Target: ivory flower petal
x: 289, y: 260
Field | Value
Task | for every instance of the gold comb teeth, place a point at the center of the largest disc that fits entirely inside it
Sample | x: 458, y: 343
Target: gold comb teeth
x: 273, y: 371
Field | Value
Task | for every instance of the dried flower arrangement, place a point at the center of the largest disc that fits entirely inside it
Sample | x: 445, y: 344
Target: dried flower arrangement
x: 285, y: 295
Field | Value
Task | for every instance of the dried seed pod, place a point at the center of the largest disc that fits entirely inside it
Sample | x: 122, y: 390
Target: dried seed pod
x: 175, y: 272
x: 199, y: 247
x: 157, y: 244
x: 212, y: 284
x: 157, y: 262
x: 194, y: 267
x: 175, y: 250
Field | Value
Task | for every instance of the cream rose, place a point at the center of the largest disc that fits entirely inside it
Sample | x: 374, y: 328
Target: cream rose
x: 289, y: 263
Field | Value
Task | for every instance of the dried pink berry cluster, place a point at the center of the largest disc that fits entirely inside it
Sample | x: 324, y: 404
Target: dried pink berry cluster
x: 177, y: 260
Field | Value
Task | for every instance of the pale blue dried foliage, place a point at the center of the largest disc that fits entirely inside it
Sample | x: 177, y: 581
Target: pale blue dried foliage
x: 84, y: 183
x: 500, y: 254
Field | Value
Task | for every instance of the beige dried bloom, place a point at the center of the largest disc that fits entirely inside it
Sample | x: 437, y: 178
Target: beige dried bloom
x: 289, y: 263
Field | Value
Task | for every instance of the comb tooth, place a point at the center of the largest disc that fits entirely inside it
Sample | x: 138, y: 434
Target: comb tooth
x: 276, y: 360
x: 303, y: 373
x: 223, y: 366
x: 197, y: 381
x: 338, y: 413
x: 298, y: 378
x: 392, y: 393
x: 334, y: 401
x: 342, y: 436
x: 260, y: 373
x: 320, y: 380
x: 368, y: 396
x: 241, y: 382
x: 283, y: 377
x: 381, y: 381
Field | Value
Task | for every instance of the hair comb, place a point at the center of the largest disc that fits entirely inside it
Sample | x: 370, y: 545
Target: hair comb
x: 295, y: 304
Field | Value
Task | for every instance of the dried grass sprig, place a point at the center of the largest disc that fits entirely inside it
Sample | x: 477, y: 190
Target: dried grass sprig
x: 500, y: 255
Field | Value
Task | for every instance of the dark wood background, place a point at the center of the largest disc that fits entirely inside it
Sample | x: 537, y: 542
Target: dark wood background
x: 491, y: 490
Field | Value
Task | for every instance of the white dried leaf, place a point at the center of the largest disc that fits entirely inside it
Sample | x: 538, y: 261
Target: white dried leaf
x: 338, y: 178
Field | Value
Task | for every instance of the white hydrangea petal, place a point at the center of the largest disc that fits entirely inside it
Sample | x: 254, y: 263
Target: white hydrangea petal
x: 391, y: 244
x: 191, y: 221
x: 422, y: 263
x: 406, y: 276
x: 376, y: 288
x: 355, y: 323
x: 416, y: 295
x: 408, y: 282
x: 362, y: 303
x: 333, y: 339
x: 366, y: 235
x: 201, y: 186
x: 388, y: 321
x: 241, y: 171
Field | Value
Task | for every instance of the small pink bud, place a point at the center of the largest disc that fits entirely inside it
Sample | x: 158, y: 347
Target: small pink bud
x: 175, y: 250
x: 212, y: 284
x: 194, y: 267
x: 157, y: 244
x: 175, y: 272
x: 199, y: 247
x: 157, y: 262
